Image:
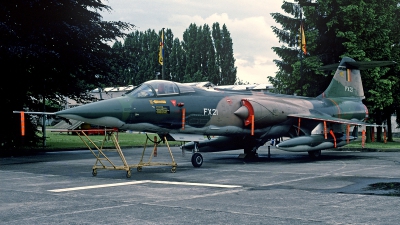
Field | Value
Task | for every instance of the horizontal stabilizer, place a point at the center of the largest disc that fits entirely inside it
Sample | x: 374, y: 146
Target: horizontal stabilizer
x: 359, y: 65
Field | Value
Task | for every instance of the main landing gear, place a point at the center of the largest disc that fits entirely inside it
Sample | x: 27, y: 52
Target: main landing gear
x: 249, y: 153
x: 314, y: 154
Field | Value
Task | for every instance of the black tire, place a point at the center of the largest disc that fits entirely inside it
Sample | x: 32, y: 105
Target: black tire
x: 314, y: 154
x: 197, y: 160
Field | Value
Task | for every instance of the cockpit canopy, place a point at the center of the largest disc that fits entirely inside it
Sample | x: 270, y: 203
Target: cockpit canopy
x: 159, y: 88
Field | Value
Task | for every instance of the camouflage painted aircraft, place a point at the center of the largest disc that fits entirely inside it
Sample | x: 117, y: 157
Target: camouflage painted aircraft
x: 240, y: 120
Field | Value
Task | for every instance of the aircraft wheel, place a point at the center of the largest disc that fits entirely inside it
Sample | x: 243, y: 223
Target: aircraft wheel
x: 314, y: 154
x: 94, y: 172
x: 197, y: 160
x: 128, y: 173
x: 139, y: 169
x: 173, y: 170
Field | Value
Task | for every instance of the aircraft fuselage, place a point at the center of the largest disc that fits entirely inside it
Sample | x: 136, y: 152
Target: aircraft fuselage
x: 207, y: 112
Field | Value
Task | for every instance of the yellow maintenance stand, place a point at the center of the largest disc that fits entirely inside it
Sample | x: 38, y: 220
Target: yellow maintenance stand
x: 104, y: 162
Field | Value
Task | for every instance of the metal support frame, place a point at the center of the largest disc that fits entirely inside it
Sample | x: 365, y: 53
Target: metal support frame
x: 150, y: 163
x: 102, y: 160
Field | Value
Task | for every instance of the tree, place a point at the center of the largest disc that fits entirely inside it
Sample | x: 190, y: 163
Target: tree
x: 364, y: 30
x: 168, y: 44
x: 49, y: 50
x: 297, y: 72
x: 177, y: 61
x: 224, y: 55
x: 202, y: 55
x: 191, y: 46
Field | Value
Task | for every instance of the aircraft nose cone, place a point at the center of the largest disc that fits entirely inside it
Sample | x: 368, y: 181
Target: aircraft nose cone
x: 242, y: 112
x: 105, y: 113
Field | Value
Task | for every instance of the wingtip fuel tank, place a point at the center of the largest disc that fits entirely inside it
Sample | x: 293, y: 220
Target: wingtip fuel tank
x: 313, y: 143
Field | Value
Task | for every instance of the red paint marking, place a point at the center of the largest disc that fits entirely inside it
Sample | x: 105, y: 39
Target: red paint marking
x: 249, y: 107
x: 252, y: 125
x: 183, y: 118
x: 337, y: 106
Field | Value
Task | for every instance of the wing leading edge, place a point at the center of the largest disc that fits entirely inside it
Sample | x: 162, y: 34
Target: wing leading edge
x: 331, y: 119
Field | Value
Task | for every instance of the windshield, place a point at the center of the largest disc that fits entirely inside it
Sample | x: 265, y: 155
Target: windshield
x: 159, y: 88
x: 142, y: 91
x: 163, y: 87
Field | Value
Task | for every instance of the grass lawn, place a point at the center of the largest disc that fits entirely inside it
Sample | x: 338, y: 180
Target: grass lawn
x: 388, y: 146
x: 64, y: 141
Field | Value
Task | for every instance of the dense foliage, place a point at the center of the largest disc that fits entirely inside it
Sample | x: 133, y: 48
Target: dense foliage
x: 50, y: 49
x: 365, y: 30
x: 204, y: 54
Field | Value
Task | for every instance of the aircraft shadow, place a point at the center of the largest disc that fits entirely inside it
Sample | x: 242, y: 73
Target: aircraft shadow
x: 281, y: 158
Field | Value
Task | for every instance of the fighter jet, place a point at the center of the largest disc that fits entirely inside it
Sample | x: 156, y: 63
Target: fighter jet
x: 220, y: 120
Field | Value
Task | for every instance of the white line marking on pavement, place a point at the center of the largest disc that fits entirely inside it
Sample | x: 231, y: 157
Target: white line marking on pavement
x: 97, y: 186
x: 195, y: 184
x: 143, y: 182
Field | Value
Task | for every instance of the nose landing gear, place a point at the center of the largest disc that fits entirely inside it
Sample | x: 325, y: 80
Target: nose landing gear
x: 197, y: 158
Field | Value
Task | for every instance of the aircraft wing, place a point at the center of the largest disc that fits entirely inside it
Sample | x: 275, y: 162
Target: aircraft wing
x: 36, y: 113
x: 331, y: 119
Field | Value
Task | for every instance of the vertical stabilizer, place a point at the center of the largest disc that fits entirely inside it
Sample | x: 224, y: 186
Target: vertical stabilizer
x: 346, y: 82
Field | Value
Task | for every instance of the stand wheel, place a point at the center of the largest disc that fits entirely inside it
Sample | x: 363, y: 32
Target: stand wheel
x: 94, y: 172
x: 173, y: 170
x: 139, y: 169
x: 197, y: 160
x: 128, y: 173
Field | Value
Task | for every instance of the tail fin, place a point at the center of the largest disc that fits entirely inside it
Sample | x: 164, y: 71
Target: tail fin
x: 347, y: 80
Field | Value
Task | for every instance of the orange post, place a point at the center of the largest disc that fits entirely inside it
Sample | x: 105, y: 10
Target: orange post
x: 325, y: 133
x: 22, y: 124
x: 348, y: 133
x: 384, y: 135
x: 373, y: 134
x: 363, y: 138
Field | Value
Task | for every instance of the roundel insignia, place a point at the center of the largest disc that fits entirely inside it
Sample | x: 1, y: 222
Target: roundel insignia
x: 173, y: 102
